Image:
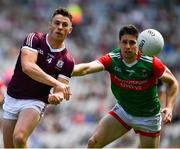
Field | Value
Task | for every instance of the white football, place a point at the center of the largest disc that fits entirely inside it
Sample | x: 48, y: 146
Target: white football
x: 150, y: 42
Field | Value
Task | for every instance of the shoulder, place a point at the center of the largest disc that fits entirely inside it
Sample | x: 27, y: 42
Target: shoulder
x: 36, y: 35
x: 40, y: 35
x: 157, y: 60
x: 111, y: 56
x: 34, y: 39
x: 115, y: 53
x: 158, y: 66
x: 147, y: 59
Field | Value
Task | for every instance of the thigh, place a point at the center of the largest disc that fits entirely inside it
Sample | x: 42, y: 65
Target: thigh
x: 8, y: 130
x: 108, y: 130
x: 147, y: 125
x: 27, y: 121
x: 149, y: 142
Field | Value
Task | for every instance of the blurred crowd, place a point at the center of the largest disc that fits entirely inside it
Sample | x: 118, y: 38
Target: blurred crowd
x: 96, y: 28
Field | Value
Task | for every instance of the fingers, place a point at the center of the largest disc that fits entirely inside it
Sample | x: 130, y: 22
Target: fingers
x: 67, y: 93
x: 65, y: 89
x: 167, y: 118
x: 55, y: 98
x: 167, y: 115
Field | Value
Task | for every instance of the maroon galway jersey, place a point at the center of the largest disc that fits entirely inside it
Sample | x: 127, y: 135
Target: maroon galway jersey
x: 54, y: 62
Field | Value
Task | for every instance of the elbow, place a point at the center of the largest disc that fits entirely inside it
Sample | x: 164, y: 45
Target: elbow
x: 80, y: 72
x: 83, y: 73
x: 175, y: 87
x: 26, y: 69
x: 176, y: 84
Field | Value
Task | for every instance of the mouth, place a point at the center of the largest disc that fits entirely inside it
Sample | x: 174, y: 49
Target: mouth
x: 128, y: 52
x: 59, y: 34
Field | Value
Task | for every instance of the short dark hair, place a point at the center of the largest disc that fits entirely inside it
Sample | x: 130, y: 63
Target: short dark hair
x: 128, y: 29
x: 63, y: 12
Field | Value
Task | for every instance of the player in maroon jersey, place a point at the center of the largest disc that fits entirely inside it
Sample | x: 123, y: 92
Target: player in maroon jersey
x: 134, y: 79
x: 43, y: 63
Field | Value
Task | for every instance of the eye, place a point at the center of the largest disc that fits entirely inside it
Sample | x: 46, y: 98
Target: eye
x: 132, y: 42
x: 124, y: 42
x: 65, y: 24
x: 56, y: 22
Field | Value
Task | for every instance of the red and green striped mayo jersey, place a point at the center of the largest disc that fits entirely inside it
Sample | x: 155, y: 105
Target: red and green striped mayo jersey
x: 135, y: 85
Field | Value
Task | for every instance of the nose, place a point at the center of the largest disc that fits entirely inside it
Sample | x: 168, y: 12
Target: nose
x: 127, y: 45
x: 60, y: 26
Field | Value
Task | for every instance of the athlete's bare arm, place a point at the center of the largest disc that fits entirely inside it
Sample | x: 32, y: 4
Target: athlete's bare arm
x: 87, y: 68
x: 29, y: 66
x: 172, y: 92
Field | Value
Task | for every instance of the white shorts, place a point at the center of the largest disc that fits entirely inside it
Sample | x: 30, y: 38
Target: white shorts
x: 12, y: 107
x: 147, y: 126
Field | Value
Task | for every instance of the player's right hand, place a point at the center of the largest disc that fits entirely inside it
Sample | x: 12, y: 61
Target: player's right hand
x: 63, y: 88
x: 167, y: 115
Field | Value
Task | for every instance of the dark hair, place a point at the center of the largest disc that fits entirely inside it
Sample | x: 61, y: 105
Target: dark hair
x: 128, y: 29
x: 63, y: 12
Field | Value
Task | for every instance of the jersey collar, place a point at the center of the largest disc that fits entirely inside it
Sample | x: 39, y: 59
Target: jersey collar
x: 52, y: 49
x: 133, y: 63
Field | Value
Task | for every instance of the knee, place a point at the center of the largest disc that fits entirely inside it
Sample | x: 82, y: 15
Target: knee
x: 19, y: 139
x: 93, y: 143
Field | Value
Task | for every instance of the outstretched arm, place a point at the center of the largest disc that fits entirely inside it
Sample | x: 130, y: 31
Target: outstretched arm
x: 87, y: 68
x: 172, y: 92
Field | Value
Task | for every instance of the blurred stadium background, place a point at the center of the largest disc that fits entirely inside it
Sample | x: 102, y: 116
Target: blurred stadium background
x: 96, y: 27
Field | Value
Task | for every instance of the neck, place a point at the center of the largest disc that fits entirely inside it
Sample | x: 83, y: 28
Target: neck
x: 130, y: 60
x: 55, y: 44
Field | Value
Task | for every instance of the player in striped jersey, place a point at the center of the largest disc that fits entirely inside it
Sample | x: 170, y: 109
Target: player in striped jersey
x: 134, y: 84
x: 43, y: 63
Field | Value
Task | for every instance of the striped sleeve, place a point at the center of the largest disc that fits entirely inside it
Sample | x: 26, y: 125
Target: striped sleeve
x: 159, y: 67
x: 31, y: 42
x: 105, y: 60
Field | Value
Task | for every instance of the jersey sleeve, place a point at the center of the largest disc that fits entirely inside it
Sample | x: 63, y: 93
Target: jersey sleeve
x: 158, y: 67
x: 31, y: 42
x: 105, y: 60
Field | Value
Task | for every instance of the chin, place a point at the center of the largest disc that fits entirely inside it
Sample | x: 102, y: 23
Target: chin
x: 59, y: 37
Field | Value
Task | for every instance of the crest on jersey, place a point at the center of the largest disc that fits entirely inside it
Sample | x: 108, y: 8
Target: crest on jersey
x: 59, y: 64
x: 117, y: 69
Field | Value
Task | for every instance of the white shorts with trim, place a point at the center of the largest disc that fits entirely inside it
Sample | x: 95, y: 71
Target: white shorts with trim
x: 13, y: 106
x: 145, y: 124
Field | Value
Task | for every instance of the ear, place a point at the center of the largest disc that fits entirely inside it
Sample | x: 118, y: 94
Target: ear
x: 70, y: 30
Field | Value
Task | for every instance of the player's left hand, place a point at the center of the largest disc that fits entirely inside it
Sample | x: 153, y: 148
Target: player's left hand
x: 55, y: 98
x: 167, y: 115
